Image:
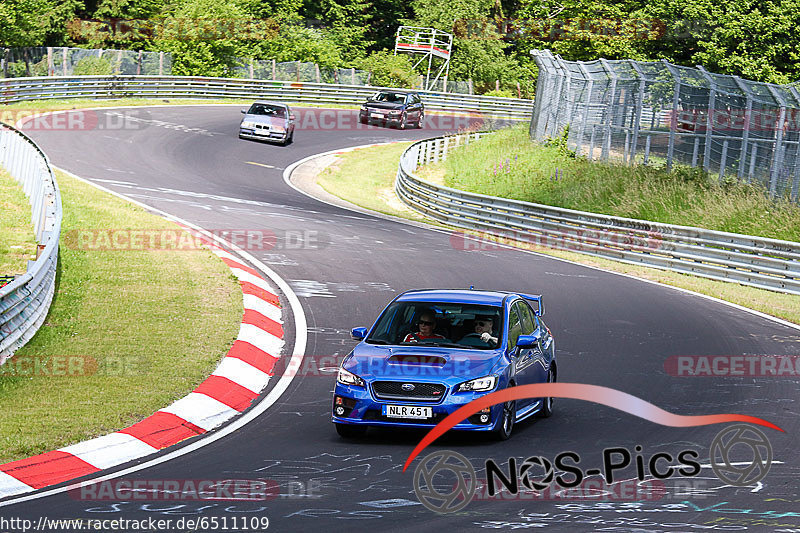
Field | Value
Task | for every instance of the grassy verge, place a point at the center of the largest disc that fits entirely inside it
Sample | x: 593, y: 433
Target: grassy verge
x: 17, y: 241
x: 364, y: 177
x: 508, y: 165
x: 128, y: 332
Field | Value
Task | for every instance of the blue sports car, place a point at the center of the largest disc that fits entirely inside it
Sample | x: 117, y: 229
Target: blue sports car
x: 433, y: 351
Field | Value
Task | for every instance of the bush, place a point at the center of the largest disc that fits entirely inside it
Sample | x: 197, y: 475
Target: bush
x: 389, y: 70
x: 92, y: 66
x: 504, y: 93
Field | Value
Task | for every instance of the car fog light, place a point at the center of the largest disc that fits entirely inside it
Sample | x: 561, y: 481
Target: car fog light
x: 484, y: 418
x: 340, y: 411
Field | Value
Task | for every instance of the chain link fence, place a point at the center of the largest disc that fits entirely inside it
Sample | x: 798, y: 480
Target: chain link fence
x: 63, y: 61
x: 664, y: 114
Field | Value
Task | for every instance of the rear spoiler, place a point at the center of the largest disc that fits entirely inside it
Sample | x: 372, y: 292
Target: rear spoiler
x: 539, y: 310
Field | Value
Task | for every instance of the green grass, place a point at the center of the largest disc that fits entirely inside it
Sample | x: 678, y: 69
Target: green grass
x: 365, y: 176
x: 17, y: 241
x: 148, y: 327
x: 546, y: 175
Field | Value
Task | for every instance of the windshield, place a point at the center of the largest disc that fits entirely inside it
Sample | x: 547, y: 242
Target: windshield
x: 392, y: 98
x: 267, y: 110
x: 455, y: 325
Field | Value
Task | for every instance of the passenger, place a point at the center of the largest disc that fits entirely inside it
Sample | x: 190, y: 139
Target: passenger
x: 426, y: 324
x: 482, y: 335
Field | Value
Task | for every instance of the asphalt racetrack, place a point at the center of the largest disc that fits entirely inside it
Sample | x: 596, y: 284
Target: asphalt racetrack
x: 610, y: 330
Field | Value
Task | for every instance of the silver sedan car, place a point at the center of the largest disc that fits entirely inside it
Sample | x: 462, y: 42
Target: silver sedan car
x: 267, y: 121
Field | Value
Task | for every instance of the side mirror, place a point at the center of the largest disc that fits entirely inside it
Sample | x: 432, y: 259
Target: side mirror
x: 244, y: 111
x: 359, y: 333
x: 291, y: 117
x: 529, y: 341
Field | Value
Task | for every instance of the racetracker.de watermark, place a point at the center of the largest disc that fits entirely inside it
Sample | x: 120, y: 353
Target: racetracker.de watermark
x: 578, y: 28
x: 179, y: 239
x: 577, y: 239
x: 78, y: 120
x: 194, y: 490
x: 761, y: 366
x: 72, y: 366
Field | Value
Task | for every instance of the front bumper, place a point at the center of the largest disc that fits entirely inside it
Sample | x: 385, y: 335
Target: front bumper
x: 247, y: 133
x: 383, y: 118
x: 362, y: 408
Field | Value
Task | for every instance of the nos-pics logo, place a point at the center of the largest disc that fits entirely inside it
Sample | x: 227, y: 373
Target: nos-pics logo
x: 445, y: 481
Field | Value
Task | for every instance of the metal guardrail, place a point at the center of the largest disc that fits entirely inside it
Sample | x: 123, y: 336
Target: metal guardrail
x: 25, y: 301
x: 23, y: 89
x: 755, y: 261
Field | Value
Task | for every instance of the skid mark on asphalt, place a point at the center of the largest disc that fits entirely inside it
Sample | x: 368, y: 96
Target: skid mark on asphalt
x: 306, y: 288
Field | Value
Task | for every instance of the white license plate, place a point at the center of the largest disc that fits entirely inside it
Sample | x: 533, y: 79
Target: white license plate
x: 407, y: 411
x: 264, y: 131
x: 376, y: 115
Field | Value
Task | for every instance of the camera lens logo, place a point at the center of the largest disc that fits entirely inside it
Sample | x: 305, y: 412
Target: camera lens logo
x: 547, y: 479
x: 456, y: 496
x: 738, y: 437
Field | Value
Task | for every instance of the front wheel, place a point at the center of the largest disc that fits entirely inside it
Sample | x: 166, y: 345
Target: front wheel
x: 505, y: 425
x: 419, y: 121
x: 403, y: 122
x: 350, y: 432
x: 547, y: 403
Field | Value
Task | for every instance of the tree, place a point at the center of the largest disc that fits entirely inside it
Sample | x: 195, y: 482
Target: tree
x: 34, y: 22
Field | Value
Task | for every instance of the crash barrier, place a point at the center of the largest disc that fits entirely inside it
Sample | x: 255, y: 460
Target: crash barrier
x: 755, y: 261
x: 24, y: 302
x: 44, y: 88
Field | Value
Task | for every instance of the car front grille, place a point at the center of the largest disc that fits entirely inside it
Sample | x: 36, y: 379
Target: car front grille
x: 393, y: 390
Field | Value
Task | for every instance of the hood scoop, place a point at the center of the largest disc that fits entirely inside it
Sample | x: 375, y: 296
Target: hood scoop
x: 417, y: 359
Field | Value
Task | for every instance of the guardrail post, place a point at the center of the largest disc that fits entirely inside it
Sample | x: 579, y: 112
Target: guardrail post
x: 274, y: 70
x: 64, y: 52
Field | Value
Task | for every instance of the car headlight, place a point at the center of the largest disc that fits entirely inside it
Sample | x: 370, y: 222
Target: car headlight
x: 478, y: 385
x: 395, y: 112
x: 348, y: 378
x: 363, y: 107
x: 249, y: 125
x: 279, y: 129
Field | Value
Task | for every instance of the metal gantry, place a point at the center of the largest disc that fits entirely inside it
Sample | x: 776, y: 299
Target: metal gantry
x: 427, y: 45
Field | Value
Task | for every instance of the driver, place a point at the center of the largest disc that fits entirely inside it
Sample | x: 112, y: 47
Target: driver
x: 426, y: 323
x: 482, y: 335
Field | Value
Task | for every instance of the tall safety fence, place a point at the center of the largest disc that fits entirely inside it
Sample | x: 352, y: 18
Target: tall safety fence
x: 664, y: 114
x: 65, y: 61
x: 25, y: 301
